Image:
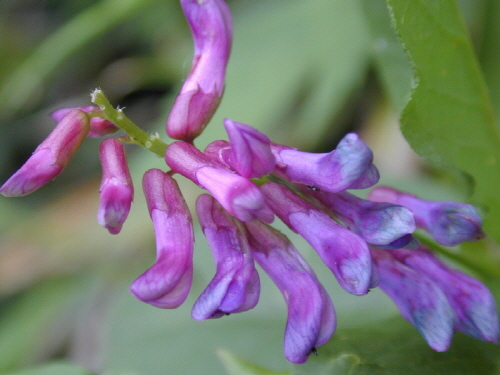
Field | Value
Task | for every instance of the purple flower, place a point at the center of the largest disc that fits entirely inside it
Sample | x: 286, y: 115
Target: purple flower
x: 50, y: 157
x: 436, y: 299
x: 236, y: 285
x: 450, y: 223
x: 420, y: 300
x: 311, y: 316
x: 166, y: 284
x: 117, y: 191
x: 251, y: 150
x: 378, y: 223
x: 343, y: 251
x: 472, y: 302
x: 211, y: 25
x: 237, y: 194
x: 349, y: 166
x: 99, y: 127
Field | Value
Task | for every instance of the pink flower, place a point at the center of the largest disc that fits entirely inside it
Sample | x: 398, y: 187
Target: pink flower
x: 117, y: 191
x: 167, y: 283
x: 212, y: 28
x: 50, y: 157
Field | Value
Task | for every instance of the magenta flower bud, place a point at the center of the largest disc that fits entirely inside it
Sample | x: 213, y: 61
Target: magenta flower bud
x: 251, y: 150
x: 221, y: 153
x: 236, y: 285
x: 99, y: 126
x: 473, y: 303
x: 344, y: 252
x: 167, y: 283
x: 450, y: 223
x: 212, y: 28
x: 50, y: 157
x: 237, y: 194
x: 420, y: 300
x: 311, y: 315
x: 378, y: 223
x: 348, y: 166
x: 117, y: 190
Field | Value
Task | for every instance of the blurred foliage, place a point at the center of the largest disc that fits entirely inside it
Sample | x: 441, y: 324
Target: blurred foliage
x: 305, y: 73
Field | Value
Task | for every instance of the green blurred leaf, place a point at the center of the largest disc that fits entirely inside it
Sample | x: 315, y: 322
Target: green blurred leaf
x: 449, y: 118
x: 238, y: 366
x: 292, y: 68
x: 489, y: 52
x: 394, y: 347
x: 27, y: 321
x: 31, y: 75
x: 389, y: 56
x: 52, y: 369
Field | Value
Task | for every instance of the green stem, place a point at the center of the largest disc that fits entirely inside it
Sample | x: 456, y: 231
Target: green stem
x: 150, y: 142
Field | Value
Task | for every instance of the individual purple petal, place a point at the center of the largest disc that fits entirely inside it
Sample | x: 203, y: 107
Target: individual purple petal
x: 311, y: 316
x: 378, y: 223
x: 348, y: 166
x: 420, y: 300
x: 450, y: 223
x: 167, y: 283
x: 117, y: 190
x: 251, y: 150
x: 50, y: 157
x: 99, y: 126
x: 237, y: 194
x: 236, y: 285
x: 473, y: 303
x: 343, y: 251
x: 211, y: 25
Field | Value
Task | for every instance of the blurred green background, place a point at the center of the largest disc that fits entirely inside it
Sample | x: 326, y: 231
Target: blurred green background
x: 304, y: 72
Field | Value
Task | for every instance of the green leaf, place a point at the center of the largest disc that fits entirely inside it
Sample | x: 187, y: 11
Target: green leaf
x: 238, y: 366
x: 30, y: 319
x: 389, y: 56
x: 449, y: 118
x: 394, y: 347
x: 31, y: 75
x: 52, y: 369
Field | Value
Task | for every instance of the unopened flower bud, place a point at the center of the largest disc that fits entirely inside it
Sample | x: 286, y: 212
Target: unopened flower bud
x: 167, y: 283
x: 50, y: 157
x: 99, y: 126
x: 117, y: 191
x: 212, y: 28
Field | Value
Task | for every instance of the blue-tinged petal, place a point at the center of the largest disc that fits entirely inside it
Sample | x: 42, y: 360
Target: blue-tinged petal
x: 311, y: 316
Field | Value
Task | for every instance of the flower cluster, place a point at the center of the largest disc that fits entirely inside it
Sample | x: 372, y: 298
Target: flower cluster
x: 365, y: 243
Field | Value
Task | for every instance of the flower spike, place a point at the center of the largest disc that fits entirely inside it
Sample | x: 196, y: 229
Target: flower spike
x: 117, y: 191
x: 236, y: 285
x: 167, y: 283
x: 311, y: 315
x: 212, y: 28
x: 50, y: 157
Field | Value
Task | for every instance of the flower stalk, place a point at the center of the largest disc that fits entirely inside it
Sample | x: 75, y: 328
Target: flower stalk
x: 151, y: 142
